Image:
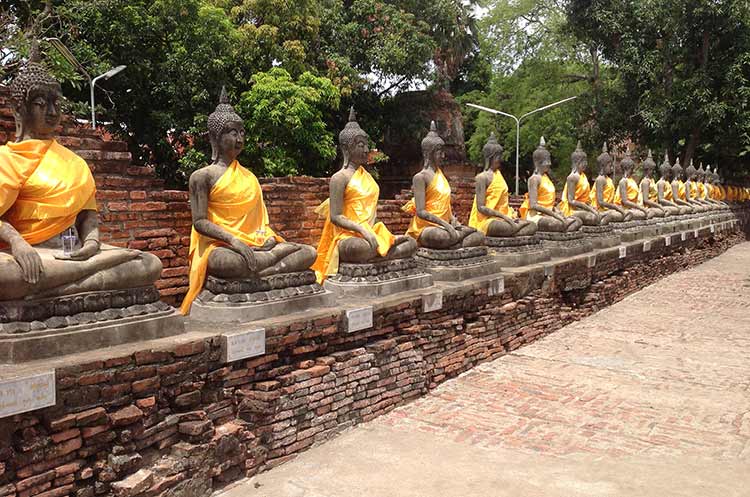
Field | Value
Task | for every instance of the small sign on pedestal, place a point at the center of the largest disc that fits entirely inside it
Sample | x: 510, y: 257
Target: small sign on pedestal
x: 432, y: 302
x: 623, y: 252
x: 696, y: 234
x: 668, y: 240
x: 683, y: 236
x: 27, y: 393
x: 497, y: 286
x: 243, y: 344
x: 358, y: 319
x: 647, y: 246
x: 591, y: 261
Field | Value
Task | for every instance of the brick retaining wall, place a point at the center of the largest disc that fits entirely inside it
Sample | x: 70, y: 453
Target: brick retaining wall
x: 171, y: 419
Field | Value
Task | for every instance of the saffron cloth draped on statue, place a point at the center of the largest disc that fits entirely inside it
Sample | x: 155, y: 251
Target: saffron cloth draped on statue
x: 43, y: 188
x: 361, y: 206
x: 496, y: 198
x: 437, y: 200
x: 545, y: 197
x: 583, y: 190
x: 236, y: 204
x: 632, y: 191
x: 608, y: 195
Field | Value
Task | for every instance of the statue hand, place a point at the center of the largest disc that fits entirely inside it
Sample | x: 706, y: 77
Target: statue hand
x: 372, y: 240
x: 269, y: 244
x: 246, y: 252
x: 452, y: 234
x: 89, y: 249
x: 28, y: 259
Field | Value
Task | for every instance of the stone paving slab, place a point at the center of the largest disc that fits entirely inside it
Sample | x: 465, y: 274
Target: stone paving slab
x: 648, y: 397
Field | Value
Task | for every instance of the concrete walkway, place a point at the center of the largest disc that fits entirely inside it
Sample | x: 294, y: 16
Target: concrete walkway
x: 650, y: 397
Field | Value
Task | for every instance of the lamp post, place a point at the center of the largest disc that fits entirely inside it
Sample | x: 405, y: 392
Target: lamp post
x: 67, y: 55
x: 518, y: 123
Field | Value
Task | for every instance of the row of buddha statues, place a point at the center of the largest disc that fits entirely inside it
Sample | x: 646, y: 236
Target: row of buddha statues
x: 48, y: 204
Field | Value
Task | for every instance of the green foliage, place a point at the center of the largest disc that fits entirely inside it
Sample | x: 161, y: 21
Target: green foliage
x: 285, y: 122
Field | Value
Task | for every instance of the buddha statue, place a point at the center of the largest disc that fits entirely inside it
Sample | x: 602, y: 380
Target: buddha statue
x: 664, y: 190
x: 648, y: 189
x: 628, y: 195
x: 678, y: 188
x: 576, y: 197
x: 491, y: 214
x: 49, y: 228
x: 717, y: 192
x: 705, y: 188
x: 691, y: 189
x: 231, y: 237
x: 351, y: 233
x: 539, y: 203
x: 603, y: 193
x: 433, y: 224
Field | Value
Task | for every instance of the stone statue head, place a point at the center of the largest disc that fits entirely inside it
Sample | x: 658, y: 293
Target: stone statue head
x: 627, y: 164
x: 35, y: 96
x: 541, y: 157
x: 701, y: 172
x: 666, y: 168
x: 677, y: 170
x: 690, y: 171
x: 225, y: 129
x: 579, y: 159
x: 354, y: 142
x: 604, y: 161
x: 648, y: 164
x: 432, y: 147
x: 492, y: 152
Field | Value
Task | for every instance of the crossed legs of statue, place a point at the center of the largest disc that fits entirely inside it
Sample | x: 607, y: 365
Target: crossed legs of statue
x: 503, y: 229
x: 358, y: 251
x: 227, y: 264
x: 437, y: 238
x: 587, y: 218
x: 548, y: 223
x: 114, y: 269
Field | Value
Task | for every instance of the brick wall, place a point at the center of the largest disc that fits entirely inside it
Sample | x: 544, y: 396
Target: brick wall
x: 176, y: 421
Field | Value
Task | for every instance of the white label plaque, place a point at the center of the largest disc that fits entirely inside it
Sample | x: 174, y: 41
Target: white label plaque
x: 591, y: 261
x: 27, y: 393
x: 623, y: 252
x: 713, y: 229
x: 243, y: 344
x: 668, y: 241
x: 647, y: 246
x: 432, y: 302
x: 497, y: 286
x: 549, y: 270
x: 696, y: 234
x: 358, y: 319
x: 684, y: 236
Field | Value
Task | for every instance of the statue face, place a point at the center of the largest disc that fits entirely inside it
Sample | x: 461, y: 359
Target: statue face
x: 581, y: 166
x: 41, y: 113
x: 358, y: 151
x: 232, y: 139
x: 438, y: 156
x: 495, y: 162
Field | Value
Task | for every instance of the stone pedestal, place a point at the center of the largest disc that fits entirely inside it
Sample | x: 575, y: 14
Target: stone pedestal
x: 517, y: 251
x: 631, y: 231
x: 457, y: 265
x: 378, y: 279
x: 227, y: 301
x: 601, y: 237
x: 565, y: 244
x: 42, y: 328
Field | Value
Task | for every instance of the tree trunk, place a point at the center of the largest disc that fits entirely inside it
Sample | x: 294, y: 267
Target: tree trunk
x: 692, y: 145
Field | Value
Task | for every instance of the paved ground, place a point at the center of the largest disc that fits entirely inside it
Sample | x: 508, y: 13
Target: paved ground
x: 650, y: 397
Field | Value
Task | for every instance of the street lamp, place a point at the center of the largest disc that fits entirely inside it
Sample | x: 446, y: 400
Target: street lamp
x: 67, y: 55
x: 518, y: 123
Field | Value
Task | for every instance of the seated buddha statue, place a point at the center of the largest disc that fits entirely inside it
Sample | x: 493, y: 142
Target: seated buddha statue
x: 603, y: 194
x: 678, y: 188
x: 648, y: 188
x: 491, y: 214
x: 691, y: 189
x: 704, y: 187
x: 576, y: 196
x: 716, y: 189
x: 628, y: 195
x: 433, y: 224
x: 664, y: 190
x: 231, y: 237
x: 47, y: 196
x: 539, y: 204
x: 351, y: 233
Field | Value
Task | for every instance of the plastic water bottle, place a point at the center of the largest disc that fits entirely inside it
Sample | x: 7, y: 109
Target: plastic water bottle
x: 69, y: 241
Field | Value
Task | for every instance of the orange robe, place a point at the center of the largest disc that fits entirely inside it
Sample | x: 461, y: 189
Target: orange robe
x: 496, y: 198
x: 545, y: 197
x: 681, y: 190
x: 437, y: 200
x: 608, y: 195
x: 582, y: 194
x: 633, y: 193
x: 361, y: 206
x: 43, y: 188
x: 666, y: 190
x: 236, y: 204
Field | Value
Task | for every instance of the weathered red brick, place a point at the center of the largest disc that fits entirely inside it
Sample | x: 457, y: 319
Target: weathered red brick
x: 126, y: 416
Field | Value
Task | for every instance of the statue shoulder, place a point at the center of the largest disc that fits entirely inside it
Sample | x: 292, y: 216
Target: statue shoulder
x: 573, y: 176
x: 342, y: 177
x: 206, y: 176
